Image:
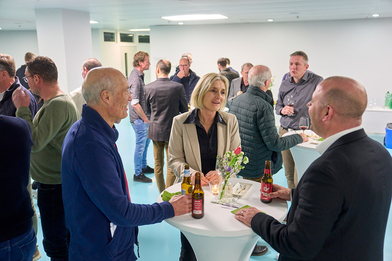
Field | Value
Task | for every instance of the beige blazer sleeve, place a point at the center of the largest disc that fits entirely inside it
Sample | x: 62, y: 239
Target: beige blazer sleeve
x: 184, y: 144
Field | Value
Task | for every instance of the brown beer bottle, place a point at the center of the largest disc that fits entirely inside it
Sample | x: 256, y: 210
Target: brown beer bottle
x: 186, y: 186
x: 197, y: 198
x: 266, y: 183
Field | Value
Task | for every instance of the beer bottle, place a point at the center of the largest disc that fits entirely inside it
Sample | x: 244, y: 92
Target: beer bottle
x: 197, y: 199
x: 186, y: 186
x: 266, y: 183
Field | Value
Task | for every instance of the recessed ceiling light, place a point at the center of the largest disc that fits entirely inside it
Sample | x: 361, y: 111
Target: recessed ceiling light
x: 139, y: 30
x: 93, y: 22
x: 270, y: 20
x: 375, y: 15
x: 180, y: 23
x: 194, y: 17
x: 0, y: 28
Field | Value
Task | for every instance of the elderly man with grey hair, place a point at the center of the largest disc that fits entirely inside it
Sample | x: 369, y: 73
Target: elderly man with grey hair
x: 93, y: 176
x: 260, y: 140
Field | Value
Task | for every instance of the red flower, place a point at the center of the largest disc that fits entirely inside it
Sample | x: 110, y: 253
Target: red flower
x: 237, y: 151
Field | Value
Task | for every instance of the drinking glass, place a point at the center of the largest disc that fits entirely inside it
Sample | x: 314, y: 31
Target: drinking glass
x: 304, y: 124
x: 290, y: 102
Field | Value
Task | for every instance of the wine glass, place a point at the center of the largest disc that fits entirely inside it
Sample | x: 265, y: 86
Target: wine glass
x: 304, y: 124
x: 290, y: 102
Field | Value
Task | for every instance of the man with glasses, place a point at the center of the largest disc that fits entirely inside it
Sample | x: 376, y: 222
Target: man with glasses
x: 8, y: 84
x: 186, y: 77
x: 48, y: 129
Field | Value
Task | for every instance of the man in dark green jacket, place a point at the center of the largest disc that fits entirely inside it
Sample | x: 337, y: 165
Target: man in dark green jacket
x: 260, y: 140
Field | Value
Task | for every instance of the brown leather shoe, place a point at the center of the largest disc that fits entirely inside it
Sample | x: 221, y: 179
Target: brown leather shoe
x: 37, y: 254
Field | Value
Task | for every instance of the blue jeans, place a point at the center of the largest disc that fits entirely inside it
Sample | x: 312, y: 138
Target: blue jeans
x: 19, y: 248
x: 140, y: 156
x: 54, y: 229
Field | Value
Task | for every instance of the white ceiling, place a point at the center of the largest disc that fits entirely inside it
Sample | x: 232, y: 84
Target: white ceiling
x: 130, y: 14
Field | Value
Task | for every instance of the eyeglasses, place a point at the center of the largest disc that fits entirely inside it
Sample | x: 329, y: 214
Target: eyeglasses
x: 25, y: 78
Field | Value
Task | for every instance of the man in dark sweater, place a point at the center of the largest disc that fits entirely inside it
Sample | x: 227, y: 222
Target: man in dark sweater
x: 8, y: 84
x: 225, y: 71
x: 186, y: 77
x: 17, y: 237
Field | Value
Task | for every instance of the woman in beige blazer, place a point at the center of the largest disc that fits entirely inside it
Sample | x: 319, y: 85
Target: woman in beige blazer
x: 184, y: 147
x: 198, y: 136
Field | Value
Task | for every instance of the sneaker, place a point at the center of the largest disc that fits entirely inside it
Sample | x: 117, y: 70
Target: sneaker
x: 37, y: 254
x: 141, y: 178
x: 259, y: 250
x: 148, y: 169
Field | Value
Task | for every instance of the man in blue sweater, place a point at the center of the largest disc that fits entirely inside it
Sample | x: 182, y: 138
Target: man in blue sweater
x: 100, y: 216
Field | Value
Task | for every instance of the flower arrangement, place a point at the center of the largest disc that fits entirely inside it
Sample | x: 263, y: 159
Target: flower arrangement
x: 229, y: 165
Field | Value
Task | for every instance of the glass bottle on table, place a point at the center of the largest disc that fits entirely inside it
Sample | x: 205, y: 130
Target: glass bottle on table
x: 197, y: 198
x: 186, y: 186
x: 266, y: 183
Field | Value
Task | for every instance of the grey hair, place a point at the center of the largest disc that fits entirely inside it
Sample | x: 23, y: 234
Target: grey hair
x: 257, y: 78
x: 92, y: 89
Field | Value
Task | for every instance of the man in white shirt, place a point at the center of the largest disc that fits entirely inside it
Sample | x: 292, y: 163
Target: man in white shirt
x: 76, y: 95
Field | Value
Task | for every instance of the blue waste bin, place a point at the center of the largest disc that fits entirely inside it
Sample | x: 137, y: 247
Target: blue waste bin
x: 388, y: 136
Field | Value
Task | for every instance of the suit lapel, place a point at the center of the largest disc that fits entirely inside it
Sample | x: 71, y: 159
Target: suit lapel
x: 192, y: 139
x: 348, y: 138
x: 222, y: 133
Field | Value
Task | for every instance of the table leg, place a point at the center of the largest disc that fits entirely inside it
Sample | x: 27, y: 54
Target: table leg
x: 222, y: 248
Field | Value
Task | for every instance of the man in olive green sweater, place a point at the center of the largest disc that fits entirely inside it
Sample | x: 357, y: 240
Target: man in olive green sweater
x: 49, y: 127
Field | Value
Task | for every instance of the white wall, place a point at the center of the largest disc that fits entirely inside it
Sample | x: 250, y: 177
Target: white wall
x: 65, y: 36
x: 360, y: 49
x: 17, y: 43
x: 110, y: 52
x: 356, y: 48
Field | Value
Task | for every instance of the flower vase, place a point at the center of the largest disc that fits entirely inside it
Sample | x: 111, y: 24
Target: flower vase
x: 225, y: 191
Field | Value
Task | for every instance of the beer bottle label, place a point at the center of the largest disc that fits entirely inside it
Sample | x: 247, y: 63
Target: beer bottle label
x: 197, y: 206
x: 183, y: 192
x: 265, y: 189
x: 267, y: 171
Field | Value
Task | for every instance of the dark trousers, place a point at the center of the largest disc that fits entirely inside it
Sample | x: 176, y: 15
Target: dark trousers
x: 55, y: 232
x: 187, y: 253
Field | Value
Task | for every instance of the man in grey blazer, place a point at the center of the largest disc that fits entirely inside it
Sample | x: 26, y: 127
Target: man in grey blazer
x: 240, y: 84
x: 165, y: 99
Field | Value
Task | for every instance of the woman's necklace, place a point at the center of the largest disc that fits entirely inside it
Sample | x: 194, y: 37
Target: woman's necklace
x: 209, y: 123
x: 205, y: 122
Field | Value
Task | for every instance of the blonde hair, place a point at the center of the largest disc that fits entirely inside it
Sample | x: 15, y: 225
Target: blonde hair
x: 203, y: 86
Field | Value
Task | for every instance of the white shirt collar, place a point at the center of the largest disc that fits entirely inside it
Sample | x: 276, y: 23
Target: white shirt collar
x: 2, y: 95
x: 323, y: 146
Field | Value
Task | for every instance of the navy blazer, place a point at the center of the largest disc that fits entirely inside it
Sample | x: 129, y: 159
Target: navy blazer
x: 340, y: 208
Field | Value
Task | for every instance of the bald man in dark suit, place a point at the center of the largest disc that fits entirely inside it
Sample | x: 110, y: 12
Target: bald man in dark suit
x: 340, y: 207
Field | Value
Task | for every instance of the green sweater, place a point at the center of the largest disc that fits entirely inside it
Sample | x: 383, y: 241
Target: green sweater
x: 49, y: 127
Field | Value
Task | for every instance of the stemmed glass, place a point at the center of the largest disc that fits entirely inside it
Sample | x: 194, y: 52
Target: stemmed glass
x: 304, y: 124
x: 290, y: 102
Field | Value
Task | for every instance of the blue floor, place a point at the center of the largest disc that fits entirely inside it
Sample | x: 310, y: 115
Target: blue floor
x: 162, y: 241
